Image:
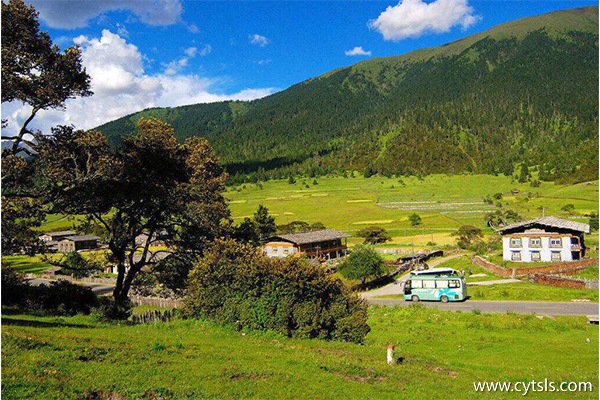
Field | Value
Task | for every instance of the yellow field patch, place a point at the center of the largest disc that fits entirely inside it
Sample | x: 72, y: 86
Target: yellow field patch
x: 238, y: 201
x: 288, y: 213
x: 381, y: 221
x: 359, y: 201
x: 319, y: 195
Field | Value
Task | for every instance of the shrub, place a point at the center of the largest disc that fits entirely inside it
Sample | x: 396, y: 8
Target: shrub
x: 362, y: 263
x: 15, y: 289
x: 62, y: 298
x: 109, y: 309
x: 237, y: 285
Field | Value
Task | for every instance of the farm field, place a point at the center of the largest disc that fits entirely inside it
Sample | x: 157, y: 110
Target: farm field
x: 442, y: 354
x: 443, y: 202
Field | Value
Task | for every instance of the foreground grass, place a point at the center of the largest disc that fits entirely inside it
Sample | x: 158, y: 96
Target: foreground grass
x: 443, y: 354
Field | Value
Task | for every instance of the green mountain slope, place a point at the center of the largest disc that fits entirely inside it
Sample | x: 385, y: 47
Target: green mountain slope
x: 525, y: 91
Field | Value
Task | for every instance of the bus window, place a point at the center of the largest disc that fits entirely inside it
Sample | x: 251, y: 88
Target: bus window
x: 454, y: 283
x: 441, y: 284
x: 416, y: 284
x: 429, y: 284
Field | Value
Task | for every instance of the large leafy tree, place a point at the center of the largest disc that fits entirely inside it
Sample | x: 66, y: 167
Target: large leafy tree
x: 374, y: 234
x: 37, y: 73
x: 34, y: 71
x: 152, y: 185
x: 363, y: 263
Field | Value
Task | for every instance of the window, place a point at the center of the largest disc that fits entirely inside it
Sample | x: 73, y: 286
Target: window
x: 535, y: 256
x: 286, y: 251
x: 442, y: 284
x: 454, y: 283
x: 535, y: 242
x: 515, y: 256
x: 555, y: 242
x: 555, y: 256
x: 515, y: 242
x: 429, y: 284
x: 416, y: 284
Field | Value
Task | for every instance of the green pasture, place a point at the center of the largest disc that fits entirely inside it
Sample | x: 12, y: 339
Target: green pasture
x: 441, y: 353
x: 444, y: 202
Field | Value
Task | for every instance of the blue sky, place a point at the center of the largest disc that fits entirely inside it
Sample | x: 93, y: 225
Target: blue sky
x: 159, y: 53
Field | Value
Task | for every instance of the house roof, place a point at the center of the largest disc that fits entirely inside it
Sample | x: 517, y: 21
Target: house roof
x: 551, y: 222
x: 81, y: 238
x: 60, y: 233
x: 311, y: 237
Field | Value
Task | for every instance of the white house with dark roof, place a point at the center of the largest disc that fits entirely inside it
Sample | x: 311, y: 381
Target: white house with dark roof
x: 544, y: 239
x: 318, y: 244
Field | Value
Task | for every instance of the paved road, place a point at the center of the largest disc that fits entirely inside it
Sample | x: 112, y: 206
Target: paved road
x: 97, y: 288
x: 519, y: 307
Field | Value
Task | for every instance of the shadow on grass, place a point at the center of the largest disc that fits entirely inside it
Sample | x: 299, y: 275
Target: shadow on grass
x: 40, y: 324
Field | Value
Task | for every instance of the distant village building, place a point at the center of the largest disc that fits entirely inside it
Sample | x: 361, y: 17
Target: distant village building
x: 51, y: 239
x: 55, y: 236
x: 75, y: 243
x: 544, y: 239
x: 326, y: 244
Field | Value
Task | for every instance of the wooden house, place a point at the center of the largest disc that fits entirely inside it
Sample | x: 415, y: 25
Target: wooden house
x: 544, y: 239
x: 326, y: 244
x: 75, y: 243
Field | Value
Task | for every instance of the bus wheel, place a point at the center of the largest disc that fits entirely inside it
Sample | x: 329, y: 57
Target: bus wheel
x: 444, y: 299
x: 415, y: 298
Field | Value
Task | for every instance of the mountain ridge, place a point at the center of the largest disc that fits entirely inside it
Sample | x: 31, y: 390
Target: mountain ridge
x: 473, y: 105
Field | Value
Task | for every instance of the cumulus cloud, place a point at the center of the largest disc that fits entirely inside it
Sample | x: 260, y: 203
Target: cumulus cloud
x: 121, y: 87
x: 259, y: 40
x: 70, y: 14
x: 413, y: 18
x: 357, y: 51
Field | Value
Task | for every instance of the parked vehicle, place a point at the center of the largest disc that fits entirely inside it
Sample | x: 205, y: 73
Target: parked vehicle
x: 442, y: 287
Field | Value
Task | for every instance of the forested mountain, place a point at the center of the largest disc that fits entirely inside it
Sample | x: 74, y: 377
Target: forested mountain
x: 522, y: 92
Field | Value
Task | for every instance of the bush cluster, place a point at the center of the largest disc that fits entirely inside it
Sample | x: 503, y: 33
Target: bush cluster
x: 236, y: 285
x: 58, y: 298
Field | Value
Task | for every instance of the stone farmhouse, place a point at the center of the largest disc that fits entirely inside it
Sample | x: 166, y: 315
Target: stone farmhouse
x: 544, y: 239
x: 328, y: 244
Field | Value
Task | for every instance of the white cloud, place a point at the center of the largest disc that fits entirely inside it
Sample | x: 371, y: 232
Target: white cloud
x: 72, y: 14
x: 191, y: 51
x: 206, y: 50
x: 193, y: 28
x: 259, y: 40
x: 357, y: 51
x: 413, y: 18
x: 122, y: 87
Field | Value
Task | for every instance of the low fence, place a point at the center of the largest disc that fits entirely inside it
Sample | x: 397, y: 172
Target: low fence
x: 156, y: 302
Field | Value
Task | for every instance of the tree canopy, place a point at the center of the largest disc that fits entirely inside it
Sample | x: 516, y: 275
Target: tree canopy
x: 152, y: 185
x: 34, y: 70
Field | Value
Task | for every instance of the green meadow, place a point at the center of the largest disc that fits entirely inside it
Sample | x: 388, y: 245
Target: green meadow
x: 444, y: 203
x: 441, y: 354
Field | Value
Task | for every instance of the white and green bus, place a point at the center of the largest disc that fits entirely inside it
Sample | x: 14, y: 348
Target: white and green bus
x: 435, y: 285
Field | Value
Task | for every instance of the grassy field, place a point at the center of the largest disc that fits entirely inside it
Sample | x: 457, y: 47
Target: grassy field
x: 443, y: 202
x: 442, y: 355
